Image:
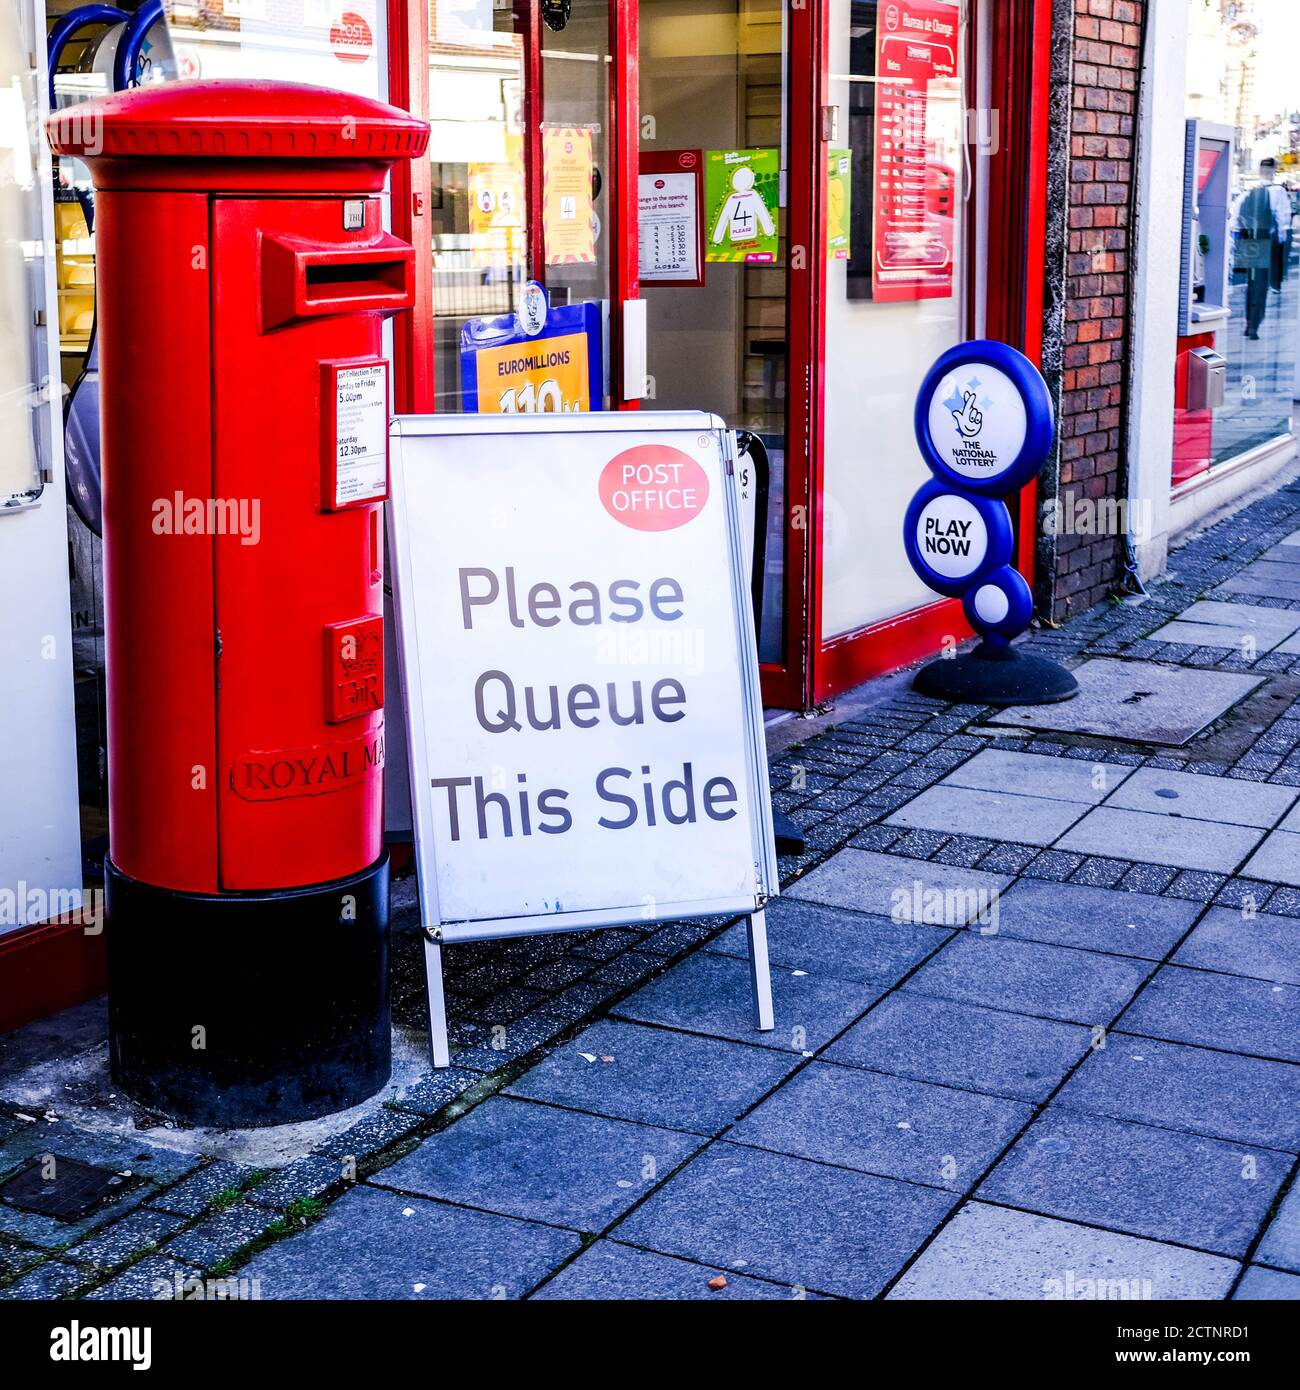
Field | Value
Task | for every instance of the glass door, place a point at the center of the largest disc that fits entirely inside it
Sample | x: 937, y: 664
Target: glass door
x: 715, y: 242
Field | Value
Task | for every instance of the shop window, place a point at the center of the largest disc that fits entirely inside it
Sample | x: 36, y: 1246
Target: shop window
x: 896, y: 283
x: 1241, y: 194
x: 24, y: 378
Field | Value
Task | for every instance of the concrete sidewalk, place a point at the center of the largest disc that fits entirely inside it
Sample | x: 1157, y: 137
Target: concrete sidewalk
x: 1037, y: 1032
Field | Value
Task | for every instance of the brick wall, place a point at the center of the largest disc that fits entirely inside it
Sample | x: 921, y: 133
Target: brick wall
x: 1107, y: 49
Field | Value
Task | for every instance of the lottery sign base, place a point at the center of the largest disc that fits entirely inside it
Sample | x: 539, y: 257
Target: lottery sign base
x: 996, y: 674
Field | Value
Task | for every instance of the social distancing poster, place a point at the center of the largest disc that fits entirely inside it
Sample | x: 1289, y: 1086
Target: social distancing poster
x: 567, y: 224
x: 741, y: 194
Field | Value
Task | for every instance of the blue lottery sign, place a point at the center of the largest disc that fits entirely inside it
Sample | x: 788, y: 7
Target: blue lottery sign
x: 952, y: 538
x: 984, y: 424
x: 984, y: 418
x: 1000, y: 604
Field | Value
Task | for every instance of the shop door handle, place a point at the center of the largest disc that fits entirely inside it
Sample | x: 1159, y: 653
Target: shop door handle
x: 635, y: 362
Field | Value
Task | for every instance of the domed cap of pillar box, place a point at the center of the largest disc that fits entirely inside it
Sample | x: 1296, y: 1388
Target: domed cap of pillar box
x: 238, y: 136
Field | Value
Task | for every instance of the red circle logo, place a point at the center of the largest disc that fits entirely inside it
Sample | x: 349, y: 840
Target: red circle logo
x: 686, y: 159
x: 653, y: 487
x: 351, y: 39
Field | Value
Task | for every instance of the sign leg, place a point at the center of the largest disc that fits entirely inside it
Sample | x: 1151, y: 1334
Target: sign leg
x: 759, y: 975
x: 437, y: 1004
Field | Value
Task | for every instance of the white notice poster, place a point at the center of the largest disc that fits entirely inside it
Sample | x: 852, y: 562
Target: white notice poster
x: 578, y: 663
x: 669, y: 219
x: 361, y: 433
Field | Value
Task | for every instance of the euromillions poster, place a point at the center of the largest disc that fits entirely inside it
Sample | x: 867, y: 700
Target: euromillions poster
x: 917, y: 99
x: 741, y: 193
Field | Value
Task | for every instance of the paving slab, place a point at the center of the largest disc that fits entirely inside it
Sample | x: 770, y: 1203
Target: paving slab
x: 1270, y: 624
x: 1281, y: 1243
x: 1270, y: 1284
x: 217, y: 1237
x: 1210, y: 635
x: 155, y: 1279
x: 1030, y: 978
x: 1161, y: 839
x: 1219, y: 1094
x: 1225, y: 1012
x: 1262, y: 585
x: 962, y: 1045
x: 125, y: 1239
x: 383, y: 1245
x: 1140, y: 1180
x: 806, y: 1225
x: 1138, y: 702
x: 655, y: 1076
x: 988, y: 1252
x: 886, y: 884
x: 1036, y: 774
x: 711, y: 995
x: 1028, y: 820
x: 1283, y: 553
x: 1097, y: 919
x: 1265, y: 947
x: 835, y: 942
x: 1277, y: 859
x: 540, y: 1163
x: 1230, y: 801
x: 884, y: 1124
x: 608, y: 1270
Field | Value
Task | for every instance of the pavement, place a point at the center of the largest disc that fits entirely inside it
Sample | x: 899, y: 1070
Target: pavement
x: 1037, y: 1035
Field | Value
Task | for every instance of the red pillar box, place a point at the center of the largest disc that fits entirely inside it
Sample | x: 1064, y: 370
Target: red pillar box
x: 243, y: 277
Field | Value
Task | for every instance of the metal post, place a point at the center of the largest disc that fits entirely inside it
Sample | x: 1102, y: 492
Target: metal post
x: 437, y: 1004
x: 760, y: 976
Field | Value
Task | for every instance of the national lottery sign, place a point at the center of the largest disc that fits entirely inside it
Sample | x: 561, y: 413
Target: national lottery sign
x: 579, y: 671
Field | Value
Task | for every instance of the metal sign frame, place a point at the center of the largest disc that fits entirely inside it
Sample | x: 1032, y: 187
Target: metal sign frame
x: 403, y: 432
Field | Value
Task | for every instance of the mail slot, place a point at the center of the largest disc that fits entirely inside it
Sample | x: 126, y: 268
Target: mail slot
x: 244, y: 276
x: 1207, y: 377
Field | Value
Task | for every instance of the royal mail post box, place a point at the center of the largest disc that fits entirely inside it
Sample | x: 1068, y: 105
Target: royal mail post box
x: 244, y: 274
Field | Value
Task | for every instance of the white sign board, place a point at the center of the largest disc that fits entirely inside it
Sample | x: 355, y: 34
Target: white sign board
x: 579, y: 669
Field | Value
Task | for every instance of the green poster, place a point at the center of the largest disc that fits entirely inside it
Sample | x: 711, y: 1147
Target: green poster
x: 839, y: 202
x: 741, y: 192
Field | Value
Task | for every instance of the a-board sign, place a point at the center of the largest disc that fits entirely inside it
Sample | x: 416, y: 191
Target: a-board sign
x: 579, y: 670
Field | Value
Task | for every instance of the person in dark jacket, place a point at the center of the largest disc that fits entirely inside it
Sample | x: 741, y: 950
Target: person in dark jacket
x: 1263, y: 225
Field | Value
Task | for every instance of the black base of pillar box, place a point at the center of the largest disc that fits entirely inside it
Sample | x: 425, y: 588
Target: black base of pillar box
x: 249, y: 1008
x: 995, y: 674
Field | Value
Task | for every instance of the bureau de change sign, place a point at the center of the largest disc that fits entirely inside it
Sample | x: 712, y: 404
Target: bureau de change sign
x: 580, y: 676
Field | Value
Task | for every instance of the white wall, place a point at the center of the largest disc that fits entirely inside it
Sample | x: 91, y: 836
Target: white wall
x: 40, y: 842
x: 1162, y: 117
